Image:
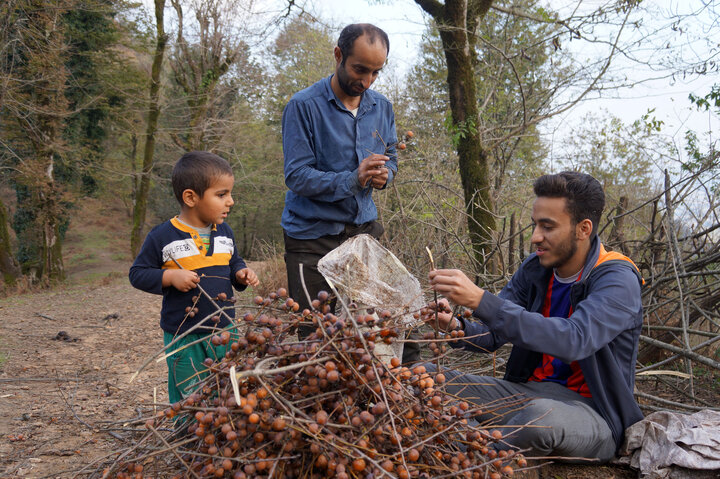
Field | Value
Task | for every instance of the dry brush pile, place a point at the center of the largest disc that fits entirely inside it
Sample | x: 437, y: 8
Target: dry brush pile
x: 678, y: 253
x: 326, y: 406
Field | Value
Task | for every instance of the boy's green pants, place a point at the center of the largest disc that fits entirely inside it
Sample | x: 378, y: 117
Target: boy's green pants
x: 186, y: 368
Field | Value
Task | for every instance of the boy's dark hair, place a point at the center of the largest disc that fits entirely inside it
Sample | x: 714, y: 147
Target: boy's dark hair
x: 196, y: 170
x: 584, y: 194
x: 353, y: 31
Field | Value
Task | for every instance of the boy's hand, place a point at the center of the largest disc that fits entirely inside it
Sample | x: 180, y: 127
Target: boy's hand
x: 247, y: 276
x: 181, y: 279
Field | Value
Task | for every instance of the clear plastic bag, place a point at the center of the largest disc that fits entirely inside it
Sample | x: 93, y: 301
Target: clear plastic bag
x: 369, y: 275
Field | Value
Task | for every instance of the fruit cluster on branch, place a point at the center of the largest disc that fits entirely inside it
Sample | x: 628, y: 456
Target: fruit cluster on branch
x: 275, y: 407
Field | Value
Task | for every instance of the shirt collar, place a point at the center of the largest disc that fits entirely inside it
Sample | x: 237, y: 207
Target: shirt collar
x: 187, y: 228
x: 367, y: 101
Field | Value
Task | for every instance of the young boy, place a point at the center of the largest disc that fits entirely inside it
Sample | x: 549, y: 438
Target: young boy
x: 194, y: 248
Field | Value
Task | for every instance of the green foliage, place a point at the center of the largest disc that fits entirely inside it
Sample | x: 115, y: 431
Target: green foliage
x: 92, y: 89
x: 460, y: 130
x: 57, y: 63
x: 622, y: 157
x: 302, y: 54
x: 515, y: 75
x: 698, y: 159
x: 712, y: 99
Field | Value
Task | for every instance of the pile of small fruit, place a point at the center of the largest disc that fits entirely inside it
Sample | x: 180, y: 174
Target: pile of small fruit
x: 275, y: 407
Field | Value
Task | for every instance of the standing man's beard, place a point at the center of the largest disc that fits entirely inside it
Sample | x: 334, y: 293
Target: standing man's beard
x: 345, y: 84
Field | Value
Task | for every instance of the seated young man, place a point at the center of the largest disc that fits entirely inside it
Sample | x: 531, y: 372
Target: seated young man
x: 573, y: 314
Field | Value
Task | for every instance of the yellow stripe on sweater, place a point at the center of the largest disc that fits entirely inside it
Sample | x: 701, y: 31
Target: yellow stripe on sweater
x: 199, y: 261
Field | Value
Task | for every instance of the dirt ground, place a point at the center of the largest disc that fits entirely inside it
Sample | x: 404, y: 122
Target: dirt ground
x: 58, y: 390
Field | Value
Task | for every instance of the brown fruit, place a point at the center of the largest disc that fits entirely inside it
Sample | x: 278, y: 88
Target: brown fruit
x: 279, y: 424
x: 321, y: 461
x: 413, y: 455
x: 321, y: 417
x: 358, y: 465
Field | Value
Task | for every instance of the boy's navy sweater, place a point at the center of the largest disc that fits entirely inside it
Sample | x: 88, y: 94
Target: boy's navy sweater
x: 216, y: 268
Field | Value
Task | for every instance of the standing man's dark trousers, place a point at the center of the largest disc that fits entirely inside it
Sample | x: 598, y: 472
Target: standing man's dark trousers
x: 309, y: 252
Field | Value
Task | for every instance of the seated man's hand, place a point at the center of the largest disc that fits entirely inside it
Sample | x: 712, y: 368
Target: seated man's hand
x: 445, y: 319
x: 373, y: 169
x: 247, y: 276
x: 181, y: 279
x: 454, y: 285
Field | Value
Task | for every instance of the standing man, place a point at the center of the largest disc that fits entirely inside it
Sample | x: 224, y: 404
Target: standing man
x: 573, y: 314
x: 339, y: 144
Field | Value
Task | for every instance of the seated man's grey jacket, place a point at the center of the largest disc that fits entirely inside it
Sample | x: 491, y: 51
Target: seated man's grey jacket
x: 601, y: 334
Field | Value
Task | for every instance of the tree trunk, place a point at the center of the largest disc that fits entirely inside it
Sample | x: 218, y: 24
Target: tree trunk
x: 41, y: 116
x: 140, y: 207
x: 9, y: 269
x: 617, y: 237
x: 511, y: 246
x: 455, y: 20
x: 49, y: 214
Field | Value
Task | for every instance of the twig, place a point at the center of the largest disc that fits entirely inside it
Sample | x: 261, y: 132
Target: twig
x: 172, y: 449
x: 438, y: 365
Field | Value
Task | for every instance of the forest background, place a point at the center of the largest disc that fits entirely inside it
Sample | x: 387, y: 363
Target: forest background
x: 98, y: 98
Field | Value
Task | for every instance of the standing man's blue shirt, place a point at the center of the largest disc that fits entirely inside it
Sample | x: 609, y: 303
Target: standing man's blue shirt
x: 323, y: 144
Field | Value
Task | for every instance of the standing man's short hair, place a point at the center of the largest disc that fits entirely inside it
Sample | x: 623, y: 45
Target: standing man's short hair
x: 353, y: 31
x: 584, y: 194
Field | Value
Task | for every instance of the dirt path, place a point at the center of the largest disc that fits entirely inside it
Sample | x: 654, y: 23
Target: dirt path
x: 56, y: 394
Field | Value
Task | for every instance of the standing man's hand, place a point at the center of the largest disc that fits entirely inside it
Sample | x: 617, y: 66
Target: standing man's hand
x: 454, y: 285
x: 373, y: 169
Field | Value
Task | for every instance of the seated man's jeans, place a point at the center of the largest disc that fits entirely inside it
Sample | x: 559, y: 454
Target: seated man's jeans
x: 547, y: 418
